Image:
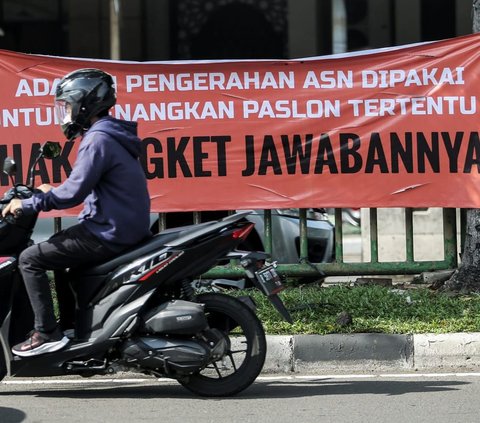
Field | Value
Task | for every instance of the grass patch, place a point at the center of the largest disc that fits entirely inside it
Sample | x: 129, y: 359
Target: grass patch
x: 372, y: 309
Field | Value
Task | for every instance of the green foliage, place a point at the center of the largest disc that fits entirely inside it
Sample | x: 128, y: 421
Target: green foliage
x: 372, y: 308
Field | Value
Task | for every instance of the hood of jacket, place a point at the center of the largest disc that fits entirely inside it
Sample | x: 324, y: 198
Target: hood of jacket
x: 124, y: 132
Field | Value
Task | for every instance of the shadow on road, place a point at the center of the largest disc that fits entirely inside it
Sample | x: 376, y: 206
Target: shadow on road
x: 287, y: 389
x: 261, y: 389
x: 11, y: 415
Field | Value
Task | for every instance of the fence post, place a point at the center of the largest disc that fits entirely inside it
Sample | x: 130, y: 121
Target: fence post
x: 268, y: 230
x: 373, y: 236
x: 450, y: 237
x: 303, y: 236
x: 338, y: 236
x: 409, y: 235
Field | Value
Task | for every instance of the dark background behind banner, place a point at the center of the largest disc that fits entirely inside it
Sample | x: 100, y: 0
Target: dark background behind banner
x: 225, y: 29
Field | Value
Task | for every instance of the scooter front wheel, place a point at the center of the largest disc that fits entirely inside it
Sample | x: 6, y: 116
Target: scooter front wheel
x: 245, y: 357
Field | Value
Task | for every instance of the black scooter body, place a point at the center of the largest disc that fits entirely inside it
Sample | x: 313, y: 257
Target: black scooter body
x: 139, y: 311
x: 14, y: 302
x: 112, y: 297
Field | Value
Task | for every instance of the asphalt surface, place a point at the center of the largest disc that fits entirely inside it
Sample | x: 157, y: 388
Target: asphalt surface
x: 444, y: 398
x: 308, y: 378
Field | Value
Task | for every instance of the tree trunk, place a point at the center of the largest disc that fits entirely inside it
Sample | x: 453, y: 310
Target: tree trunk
x: 467, y: 276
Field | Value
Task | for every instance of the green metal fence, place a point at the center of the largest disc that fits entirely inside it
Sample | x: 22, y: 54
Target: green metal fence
x: 373, y: 267
x: 339, y: 267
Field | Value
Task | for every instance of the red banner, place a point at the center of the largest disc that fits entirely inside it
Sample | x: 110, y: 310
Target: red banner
x: 393, y: 127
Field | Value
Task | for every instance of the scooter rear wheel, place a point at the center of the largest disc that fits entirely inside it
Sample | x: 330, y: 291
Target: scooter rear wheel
x: 245, y: 357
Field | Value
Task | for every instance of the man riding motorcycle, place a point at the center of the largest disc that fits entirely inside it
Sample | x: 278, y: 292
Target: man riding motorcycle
x: 107, y: 178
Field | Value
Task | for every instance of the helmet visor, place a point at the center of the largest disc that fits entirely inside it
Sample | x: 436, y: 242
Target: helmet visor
x: 63, y: 110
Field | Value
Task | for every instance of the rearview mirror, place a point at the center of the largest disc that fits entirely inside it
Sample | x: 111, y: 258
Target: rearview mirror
x: 9, y: 166
x: 51, y: 149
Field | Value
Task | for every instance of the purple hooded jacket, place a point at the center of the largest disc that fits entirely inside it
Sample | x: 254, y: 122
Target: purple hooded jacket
x: 108, y: 178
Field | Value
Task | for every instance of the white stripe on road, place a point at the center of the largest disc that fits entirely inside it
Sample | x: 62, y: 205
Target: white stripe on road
x: 78, y: 381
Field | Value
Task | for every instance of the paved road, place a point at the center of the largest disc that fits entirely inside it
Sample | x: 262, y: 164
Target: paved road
x: 282, y: 398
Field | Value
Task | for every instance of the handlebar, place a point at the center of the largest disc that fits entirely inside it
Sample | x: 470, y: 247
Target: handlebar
x: 12, y: 218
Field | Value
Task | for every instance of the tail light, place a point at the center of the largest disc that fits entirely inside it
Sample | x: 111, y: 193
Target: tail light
x: 242, y: 233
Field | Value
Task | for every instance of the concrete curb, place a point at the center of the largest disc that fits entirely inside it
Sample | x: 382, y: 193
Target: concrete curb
x: 372, y: 352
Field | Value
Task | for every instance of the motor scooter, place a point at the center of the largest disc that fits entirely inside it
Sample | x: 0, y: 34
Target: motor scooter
x: 139, y: 311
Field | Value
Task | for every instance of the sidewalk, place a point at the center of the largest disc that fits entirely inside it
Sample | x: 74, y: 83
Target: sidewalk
x: 372, y: 352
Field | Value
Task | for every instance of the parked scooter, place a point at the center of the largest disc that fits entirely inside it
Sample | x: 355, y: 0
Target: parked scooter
x: 139, y: 311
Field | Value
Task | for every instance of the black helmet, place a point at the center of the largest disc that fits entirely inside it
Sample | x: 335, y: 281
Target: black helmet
x: 81, y: 95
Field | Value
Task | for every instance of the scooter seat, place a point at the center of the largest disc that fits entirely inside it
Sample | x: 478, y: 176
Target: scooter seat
x: 156, y: 242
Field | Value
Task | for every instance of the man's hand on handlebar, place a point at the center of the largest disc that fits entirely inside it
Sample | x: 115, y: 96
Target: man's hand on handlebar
x: 14, y: 208
x: 45, y: 187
